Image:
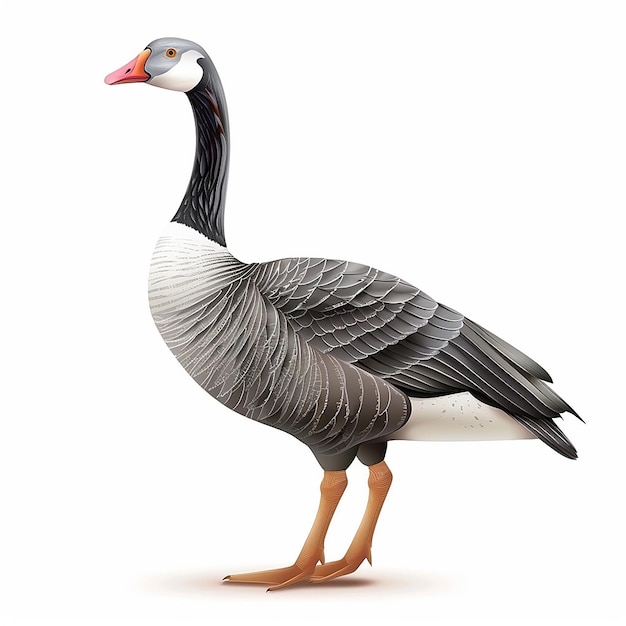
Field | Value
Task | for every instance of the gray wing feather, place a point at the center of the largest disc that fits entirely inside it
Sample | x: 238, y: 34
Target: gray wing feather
x: 391, y: 329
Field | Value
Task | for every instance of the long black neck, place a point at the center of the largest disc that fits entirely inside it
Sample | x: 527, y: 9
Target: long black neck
x: 202, y: 207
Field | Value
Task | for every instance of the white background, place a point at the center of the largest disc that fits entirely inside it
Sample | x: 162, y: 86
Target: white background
x: 477, y: 149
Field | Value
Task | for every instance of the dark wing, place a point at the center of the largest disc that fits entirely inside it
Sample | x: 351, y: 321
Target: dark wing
x: 357, y: 312
x: 392, y: 329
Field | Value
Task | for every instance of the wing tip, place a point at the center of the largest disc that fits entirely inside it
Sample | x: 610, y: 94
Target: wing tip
x: 548, y: 431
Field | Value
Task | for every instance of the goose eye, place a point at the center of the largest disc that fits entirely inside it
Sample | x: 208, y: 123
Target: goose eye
x: 170, y: 53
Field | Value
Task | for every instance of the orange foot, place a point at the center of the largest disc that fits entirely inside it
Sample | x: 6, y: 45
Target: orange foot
x: 300, y: 571
x: 349, y: 564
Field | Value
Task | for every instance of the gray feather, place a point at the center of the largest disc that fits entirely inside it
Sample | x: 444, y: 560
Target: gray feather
x: 394, y: 331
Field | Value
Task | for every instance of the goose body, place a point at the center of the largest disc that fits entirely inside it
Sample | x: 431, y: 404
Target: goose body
x: 340, y: 355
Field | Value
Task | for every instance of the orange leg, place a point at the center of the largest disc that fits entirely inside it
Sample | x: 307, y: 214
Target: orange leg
x: 361, y: 547
x: 332, y: 488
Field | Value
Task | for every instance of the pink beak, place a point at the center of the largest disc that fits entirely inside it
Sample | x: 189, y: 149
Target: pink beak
x: 133, y: 72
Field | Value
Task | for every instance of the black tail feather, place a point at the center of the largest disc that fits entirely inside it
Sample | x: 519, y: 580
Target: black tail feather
x: 549, y: 433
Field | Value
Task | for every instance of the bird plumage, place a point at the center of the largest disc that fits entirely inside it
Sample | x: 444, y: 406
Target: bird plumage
x: 335, y: 353
x: 224, y: 325
x: 393, y: 330
x: 272, y: 326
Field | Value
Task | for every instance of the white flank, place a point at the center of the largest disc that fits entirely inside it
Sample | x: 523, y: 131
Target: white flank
x: 458, y: 417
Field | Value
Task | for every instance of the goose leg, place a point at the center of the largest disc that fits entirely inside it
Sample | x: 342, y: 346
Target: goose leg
x: 361, y: 547
x: 332, y: 488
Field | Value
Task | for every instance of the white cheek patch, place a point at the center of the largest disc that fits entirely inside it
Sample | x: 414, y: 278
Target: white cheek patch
x: 184, y: 76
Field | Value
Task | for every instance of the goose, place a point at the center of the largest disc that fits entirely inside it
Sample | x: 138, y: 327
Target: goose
x: 342, y: 356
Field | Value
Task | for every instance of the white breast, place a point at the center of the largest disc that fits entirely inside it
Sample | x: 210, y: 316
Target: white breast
x: 186, y: 267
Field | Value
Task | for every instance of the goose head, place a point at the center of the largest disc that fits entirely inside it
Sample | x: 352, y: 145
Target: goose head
x: 170, y: 63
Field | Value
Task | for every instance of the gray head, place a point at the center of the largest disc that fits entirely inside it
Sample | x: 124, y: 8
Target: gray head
x: 170, y: 62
